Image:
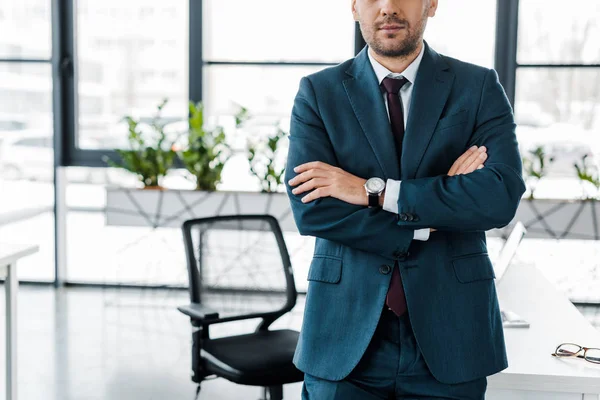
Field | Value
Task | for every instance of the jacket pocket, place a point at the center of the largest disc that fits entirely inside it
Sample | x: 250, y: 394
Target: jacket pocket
x: 473, y: 268
x: 325, y: 269
x: 452, y: 120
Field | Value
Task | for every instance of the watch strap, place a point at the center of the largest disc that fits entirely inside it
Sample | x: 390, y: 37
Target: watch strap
x: 373, y: 200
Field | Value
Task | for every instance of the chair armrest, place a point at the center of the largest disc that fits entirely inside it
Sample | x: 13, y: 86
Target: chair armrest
x: 199, y: 311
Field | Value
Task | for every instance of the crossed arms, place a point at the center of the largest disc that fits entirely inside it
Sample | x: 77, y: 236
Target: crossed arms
x: 469, y: 198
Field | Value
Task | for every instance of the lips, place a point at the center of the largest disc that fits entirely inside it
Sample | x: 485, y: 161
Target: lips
x: 391, y: 28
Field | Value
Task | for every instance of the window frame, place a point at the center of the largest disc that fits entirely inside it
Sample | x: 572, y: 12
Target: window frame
x: 67, y: 153
x: 64, y: 74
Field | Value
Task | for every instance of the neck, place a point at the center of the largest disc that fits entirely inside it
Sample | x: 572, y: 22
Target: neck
x: 397, y: 64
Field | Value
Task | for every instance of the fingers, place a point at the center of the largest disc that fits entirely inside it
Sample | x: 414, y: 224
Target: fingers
x: 306, y: 176
x: 469, y: 162
x: 315, y: 194
x: 461, y: 160
x: 470, y: 159
x: 475, y: 163
x: 312, y: 165
x: 310, y: 185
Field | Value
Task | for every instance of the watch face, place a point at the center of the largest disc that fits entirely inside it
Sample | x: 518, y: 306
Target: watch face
x: 375, y: 185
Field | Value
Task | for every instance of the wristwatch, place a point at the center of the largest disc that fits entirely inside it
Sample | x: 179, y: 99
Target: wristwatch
x: 374, y: 188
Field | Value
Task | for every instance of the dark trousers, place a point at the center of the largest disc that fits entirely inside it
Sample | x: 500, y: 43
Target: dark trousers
x: 391, y: 368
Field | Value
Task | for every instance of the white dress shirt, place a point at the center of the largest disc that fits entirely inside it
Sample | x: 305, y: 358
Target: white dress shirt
x: 392, y: 191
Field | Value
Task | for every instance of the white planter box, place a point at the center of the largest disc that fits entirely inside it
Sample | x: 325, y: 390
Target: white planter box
x: 170, y: 208
x: 559, y: 219
x: 543, y: 218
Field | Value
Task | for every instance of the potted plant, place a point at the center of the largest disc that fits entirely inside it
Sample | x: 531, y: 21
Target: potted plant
x: 204, y: 153
x: 267, y: 160
x: 589, y: 176
x: 535, y: 168
x: 207, y: 150
x: 560, y: 218
x: 150, y: 154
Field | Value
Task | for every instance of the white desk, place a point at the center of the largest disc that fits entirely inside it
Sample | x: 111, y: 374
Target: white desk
x: 533, y: 373
x: 9, y: 255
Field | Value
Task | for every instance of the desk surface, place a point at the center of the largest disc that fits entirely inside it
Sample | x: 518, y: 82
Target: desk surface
x: 9, y: 253
x: 554, y: 320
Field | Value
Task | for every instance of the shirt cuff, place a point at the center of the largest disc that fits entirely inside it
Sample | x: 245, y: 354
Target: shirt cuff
x: 422, y: 234
x: 392, y: 194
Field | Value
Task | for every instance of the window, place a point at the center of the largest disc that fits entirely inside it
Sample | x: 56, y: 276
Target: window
x: 25, y: 30
x: 265, y: 90
x: 26, y: 153
x: 26, y: 164
x: 551, y: 34
x: 464, y: 29
x: 255, y: 54
x: 35, y: 142
x: 118, y: 68
x: 557, y: 100
x: 11, y: 125
x: 275, y: 30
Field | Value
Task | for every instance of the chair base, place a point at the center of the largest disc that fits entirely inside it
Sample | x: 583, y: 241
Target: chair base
x: 269, y: 393
x: 273, y: 392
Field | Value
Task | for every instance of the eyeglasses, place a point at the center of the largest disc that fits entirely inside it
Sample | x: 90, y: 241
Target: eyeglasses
x: 572, y: 350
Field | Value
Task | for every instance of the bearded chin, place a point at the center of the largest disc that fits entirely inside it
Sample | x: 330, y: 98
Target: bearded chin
x: 402, y: 49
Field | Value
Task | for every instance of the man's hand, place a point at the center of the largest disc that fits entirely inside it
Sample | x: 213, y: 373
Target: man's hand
x: 328, y: 181
x: 470, y: 161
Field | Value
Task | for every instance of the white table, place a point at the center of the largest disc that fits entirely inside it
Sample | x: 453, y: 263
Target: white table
x: 9, y: 255
x: 533, y: 373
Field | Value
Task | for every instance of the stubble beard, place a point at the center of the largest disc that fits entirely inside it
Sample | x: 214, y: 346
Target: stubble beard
x: 401, y: 49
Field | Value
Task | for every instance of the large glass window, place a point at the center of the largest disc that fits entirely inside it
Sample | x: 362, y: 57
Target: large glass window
x: 255, y: 54
x: 130, y: 56
x: 465, y: 29
x: 557, y: 34
x: 557, y: 100
x: 275, y: 30
x: 25, y: 31
x: 266, y: 90
x: 27, y: 164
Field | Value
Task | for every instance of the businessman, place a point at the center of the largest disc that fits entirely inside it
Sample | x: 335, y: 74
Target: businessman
x: 400, y: 159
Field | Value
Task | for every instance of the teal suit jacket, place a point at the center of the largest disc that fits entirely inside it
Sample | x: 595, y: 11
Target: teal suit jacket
x: 339, y: 117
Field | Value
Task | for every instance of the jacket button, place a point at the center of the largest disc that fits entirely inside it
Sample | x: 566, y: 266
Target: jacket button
x: 415, y: 218
x: 410, y: 217
x: 399, y: 253
x: 403, y: 217
x: 385, y: 269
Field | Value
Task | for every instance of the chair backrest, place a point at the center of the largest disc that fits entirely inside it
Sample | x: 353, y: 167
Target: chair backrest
x: 239, y: 265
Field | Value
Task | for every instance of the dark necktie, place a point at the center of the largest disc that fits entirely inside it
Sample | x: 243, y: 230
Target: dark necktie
x: 395, y: 298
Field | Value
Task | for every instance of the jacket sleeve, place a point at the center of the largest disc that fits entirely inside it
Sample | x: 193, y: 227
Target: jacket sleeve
x: 482, y: 200
x: 370, y: 230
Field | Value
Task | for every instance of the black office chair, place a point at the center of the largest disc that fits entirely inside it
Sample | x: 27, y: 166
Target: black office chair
x: 239, y: 269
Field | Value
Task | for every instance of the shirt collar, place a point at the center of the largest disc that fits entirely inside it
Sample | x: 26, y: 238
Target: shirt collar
x: 410, y: 73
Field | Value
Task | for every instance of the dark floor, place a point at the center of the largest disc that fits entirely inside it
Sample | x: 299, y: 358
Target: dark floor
x: 81, y: 343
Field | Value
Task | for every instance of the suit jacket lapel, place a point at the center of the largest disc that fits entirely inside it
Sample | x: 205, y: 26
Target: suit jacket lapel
x: 432, y: 88
x: 367, y: 102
